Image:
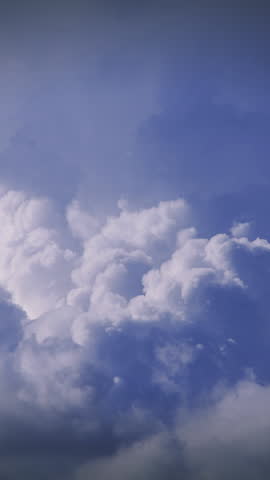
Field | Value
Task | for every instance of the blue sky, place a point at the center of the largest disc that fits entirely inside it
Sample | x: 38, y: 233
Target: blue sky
x: 135, y: 240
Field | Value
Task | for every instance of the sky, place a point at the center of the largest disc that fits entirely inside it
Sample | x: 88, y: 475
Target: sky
x: 135, y: 240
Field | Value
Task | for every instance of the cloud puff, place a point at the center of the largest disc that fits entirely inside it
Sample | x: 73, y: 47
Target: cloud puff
x: 34, y: 265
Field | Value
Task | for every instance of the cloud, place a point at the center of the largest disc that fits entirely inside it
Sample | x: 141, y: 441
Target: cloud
x: 230, y: 438
x: 131, y: 316
x: 126, y: 334
x: 240, y: 229
x: 69, y: 293
x: 34, y: 265
x: 124, y: 246
x: 154, y: 457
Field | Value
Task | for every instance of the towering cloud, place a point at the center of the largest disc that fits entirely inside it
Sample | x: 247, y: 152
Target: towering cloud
x: 116, y: 330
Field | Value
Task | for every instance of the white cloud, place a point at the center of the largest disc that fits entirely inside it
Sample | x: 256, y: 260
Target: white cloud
x: 54, y: 324
x: 139, y: 266
x: 241, y: 229
x: 82, y: 224
x: 34, y: 266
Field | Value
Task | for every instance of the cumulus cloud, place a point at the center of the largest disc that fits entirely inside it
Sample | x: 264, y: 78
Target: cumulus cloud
x: 66, y: 293
x: 134, y: 313
x: 34, y: 265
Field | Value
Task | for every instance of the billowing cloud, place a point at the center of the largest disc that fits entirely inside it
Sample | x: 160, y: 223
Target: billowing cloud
x: 117, y: 324
x: 34, y: 264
